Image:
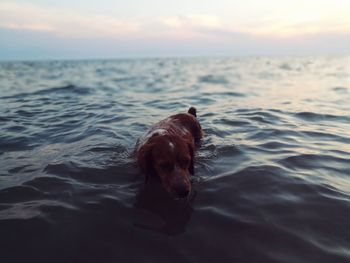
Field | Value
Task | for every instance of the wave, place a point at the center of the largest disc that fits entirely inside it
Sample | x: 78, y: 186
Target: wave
x: 312, y: 116
x: 68, y: 89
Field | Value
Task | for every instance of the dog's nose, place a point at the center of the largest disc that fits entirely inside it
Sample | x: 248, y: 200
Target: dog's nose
x: 181, y: 190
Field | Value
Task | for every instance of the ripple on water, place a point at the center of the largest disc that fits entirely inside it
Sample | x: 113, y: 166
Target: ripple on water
x: 19, y: 193
x: 312, y: 116
x: 213, y: 79
x: 317, y: 161
x: 69, y: 89
x: 268, y: 199
x: 341, y: 90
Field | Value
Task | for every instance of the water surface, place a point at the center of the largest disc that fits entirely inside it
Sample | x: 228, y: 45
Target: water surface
x: 272, y: 174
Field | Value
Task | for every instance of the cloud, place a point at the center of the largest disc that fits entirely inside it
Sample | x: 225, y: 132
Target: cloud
x: 295, y: 25
x: 302, y: 24
x: 73, y: 24
x: 192, y: 21
x: 62, y: 22
x: 29, y: 26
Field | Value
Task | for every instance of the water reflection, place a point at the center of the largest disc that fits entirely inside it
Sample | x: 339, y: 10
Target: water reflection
x: 172, y: 216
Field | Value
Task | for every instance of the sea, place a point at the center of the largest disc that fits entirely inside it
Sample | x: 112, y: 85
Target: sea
x: 272, y: 174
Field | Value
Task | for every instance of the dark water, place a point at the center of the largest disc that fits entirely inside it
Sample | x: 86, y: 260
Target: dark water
x: 272, y: 179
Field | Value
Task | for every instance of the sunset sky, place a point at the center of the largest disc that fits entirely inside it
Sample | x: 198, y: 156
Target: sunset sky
x: 42, y: 29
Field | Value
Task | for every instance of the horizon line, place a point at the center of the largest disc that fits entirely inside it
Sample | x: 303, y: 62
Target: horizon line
x: 145, y: 57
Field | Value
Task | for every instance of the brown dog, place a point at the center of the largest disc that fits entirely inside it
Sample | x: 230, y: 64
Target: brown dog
x: 167, y: 151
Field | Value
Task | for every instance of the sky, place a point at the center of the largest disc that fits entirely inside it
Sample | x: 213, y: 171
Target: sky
x: 66, y: 29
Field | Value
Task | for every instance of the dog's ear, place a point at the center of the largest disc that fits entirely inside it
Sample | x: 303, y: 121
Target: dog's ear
x: 145, y: 160
x: 191, y: 150
x: 196, y: 128
x: 192, y: 111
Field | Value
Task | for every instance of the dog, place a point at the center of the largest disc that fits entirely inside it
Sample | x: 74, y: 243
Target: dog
x: 167, y: 151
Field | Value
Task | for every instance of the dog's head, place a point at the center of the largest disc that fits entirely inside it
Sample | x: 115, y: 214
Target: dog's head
x: 171, y: 159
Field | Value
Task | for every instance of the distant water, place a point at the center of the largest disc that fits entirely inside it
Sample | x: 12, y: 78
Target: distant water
x: 272, y: 179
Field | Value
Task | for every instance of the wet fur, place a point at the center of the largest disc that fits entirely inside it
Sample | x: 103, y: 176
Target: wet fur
x: 167, y: 151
